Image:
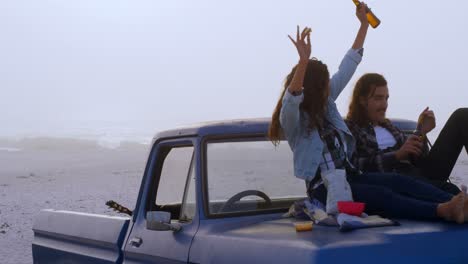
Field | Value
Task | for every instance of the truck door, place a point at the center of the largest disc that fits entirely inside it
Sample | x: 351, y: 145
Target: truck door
x: 168, y: 186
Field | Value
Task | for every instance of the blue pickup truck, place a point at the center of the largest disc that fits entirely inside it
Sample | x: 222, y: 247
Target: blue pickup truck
x: 216, y: 193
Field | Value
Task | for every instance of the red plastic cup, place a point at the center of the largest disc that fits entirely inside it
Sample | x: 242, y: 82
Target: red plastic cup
x: 351, y: 208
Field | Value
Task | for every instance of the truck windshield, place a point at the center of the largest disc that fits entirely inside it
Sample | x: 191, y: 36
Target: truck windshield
x: 250, y: 176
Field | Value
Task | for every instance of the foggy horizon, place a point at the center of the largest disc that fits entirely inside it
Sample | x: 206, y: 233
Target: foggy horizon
x: 123, y: 67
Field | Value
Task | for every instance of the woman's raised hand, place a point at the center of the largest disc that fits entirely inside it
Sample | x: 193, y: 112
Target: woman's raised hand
x: 361, y: 13
x: 302, y: 44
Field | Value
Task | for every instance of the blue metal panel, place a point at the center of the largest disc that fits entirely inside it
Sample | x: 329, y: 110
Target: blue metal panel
x: 404, y: 124
x: 270, y: 239
x: 72, y: 237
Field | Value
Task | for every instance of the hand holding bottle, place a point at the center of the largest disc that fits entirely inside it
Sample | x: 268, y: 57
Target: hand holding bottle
x: 361, y: 13
x: 371, y: 18
x: 412, y: 148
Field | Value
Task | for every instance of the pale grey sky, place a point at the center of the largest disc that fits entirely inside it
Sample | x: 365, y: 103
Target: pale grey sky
x: 152, y: 65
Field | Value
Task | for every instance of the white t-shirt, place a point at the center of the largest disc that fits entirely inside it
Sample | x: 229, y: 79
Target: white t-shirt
x: 384, y: 138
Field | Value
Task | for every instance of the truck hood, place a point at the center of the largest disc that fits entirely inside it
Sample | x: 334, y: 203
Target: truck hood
x: 276, y: 241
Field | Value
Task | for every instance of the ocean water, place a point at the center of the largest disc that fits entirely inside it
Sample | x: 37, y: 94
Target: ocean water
x: 7, y: 149
x: 106, y: 134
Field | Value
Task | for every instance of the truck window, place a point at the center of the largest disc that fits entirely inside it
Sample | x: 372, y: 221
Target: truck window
x: 250, y: 176
x: 175, y: 192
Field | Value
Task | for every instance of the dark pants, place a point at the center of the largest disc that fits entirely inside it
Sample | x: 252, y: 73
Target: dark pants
x: 443, y: 185
x: 393, y: 195
x: 438, y: 165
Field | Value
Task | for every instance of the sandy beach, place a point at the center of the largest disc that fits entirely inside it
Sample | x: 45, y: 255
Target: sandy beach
x: 61, y: 174
x: 76, y: 175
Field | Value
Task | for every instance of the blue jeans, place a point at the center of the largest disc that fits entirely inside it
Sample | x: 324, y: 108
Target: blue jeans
x: 393, y: 194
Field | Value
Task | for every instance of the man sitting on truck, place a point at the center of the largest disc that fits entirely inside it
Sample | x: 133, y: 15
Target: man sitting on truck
x: 382, y: 147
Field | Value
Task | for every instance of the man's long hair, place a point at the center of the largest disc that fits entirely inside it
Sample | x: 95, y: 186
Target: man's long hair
x: 364, y: 88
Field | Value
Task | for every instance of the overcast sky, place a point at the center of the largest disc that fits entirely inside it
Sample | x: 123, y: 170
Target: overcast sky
x: 152, y: 65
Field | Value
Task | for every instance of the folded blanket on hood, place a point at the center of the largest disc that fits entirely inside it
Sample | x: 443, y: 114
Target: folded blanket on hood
x: 315, y: 211
x: 350, y: 222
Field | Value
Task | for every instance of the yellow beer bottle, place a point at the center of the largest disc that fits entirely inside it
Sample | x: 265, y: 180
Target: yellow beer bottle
x: 373, y: 20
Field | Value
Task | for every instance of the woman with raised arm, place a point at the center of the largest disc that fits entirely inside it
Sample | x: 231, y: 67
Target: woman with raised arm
x: 306, y: 115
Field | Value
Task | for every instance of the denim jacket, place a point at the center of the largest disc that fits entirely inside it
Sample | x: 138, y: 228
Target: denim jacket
x: 307, y: 146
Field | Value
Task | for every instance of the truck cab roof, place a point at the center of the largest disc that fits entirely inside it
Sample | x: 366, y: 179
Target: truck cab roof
x: 243, y: 126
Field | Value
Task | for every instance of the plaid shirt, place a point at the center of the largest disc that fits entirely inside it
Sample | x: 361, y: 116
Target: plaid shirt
x: 369, y: 158
x: 334, y: 155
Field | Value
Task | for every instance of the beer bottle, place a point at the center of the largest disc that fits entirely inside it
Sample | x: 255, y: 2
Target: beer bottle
x: 373, y: 20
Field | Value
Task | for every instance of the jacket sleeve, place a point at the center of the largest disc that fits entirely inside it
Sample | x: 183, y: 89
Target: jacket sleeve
x: 345, y: 72
x: 289, y: 114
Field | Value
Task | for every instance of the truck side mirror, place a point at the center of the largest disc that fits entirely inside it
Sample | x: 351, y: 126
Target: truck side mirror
x: 160, y: 221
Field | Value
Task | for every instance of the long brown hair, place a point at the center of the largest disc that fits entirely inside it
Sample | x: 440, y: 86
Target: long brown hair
x: 364, y: 88
x: 316, y: 92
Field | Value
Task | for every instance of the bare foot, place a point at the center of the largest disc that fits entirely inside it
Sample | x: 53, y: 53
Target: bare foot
x: 453, y: 210
x: 465, y: 207
x: 459, y: 210
x: 465, y: 210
